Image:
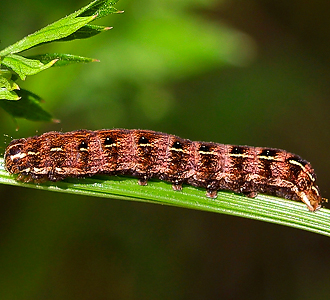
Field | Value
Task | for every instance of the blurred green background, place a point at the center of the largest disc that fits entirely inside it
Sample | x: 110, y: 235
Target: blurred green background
x: 240, y: 72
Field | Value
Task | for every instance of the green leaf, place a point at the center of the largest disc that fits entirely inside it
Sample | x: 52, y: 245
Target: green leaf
x: 27, y: 107
x: 52, y: 32
x: 74, y: 26
x: 62, y: 59
x: 8, y: 95
x: 24, y: 66
x: 4, y: 73
x: 85, y: 32
x: 7, y: 80
x: 8, y: 84
x: 263, y: 208
x: 101, y: 8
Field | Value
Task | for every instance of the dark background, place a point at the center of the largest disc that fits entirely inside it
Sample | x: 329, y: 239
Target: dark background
x: 241, y: 72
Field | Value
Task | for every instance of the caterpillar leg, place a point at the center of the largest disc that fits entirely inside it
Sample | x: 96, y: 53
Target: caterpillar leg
x: 177, y: 186
x: 212, y: 194
x: 143, y: 181
x: 250, y: 194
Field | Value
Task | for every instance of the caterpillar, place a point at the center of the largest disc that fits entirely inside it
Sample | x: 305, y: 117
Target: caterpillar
x: 148, y: 154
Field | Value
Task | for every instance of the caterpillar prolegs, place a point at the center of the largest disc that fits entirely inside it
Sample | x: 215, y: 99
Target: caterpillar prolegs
x: 149, y: 154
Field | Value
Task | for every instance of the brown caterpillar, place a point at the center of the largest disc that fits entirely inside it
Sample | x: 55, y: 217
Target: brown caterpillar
x: 148, y: 154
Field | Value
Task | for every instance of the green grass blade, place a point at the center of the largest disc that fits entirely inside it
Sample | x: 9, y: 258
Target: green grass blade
x: 263, y: 208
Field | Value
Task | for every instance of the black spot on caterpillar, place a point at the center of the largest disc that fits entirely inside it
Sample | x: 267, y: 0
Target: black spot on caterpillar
x: 148, y: 154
